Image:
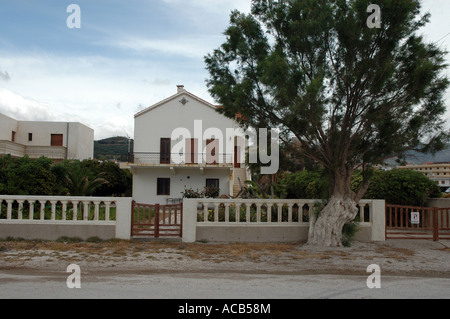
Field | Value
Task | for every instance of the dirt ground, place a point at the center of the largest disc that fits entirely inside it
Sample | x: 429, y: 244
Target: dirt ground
x: 419, y: 258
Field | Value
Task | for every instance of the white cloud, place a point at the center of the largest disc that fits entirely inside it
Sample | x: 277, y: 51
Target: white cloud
x: 192, y: 47
x: 24, y: 109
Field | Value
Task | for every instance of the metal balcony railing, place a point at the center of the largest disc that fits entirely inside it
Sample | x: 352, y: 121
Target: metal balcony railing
x: 149, y: 158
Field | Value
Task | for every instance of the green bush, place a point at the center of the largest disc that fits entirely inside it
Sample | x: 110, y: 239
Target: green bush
x: 400, y: 187
x: 304, y: 185
x: 397, y: 186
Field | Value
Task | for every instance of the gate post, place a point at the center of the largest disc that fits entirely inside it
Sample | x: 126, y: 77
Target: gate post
x: 123, y: 218
x: 435, y: 224
x: 157, y: 221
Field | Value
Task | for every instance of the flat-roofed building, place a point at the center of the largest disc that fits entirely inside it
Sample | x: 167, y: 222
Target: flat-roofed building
x: 54, y: 140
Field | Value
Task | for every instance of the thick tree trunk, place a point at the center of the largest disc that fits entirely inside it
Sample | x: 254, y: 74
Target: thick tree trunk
x: 326, y: 229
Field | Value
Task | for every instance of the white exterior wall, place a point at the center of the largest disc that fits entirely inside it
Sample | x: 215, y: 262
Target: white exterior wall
x: 145, y: 182
x: 7, y: 126
x: 160, y: 121
x: 80, y: 144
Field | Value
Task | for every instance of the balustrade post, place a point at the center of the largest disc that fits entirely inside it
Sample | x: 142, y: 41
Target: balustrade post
x: 20, y: 210
x: 75, y: 210
x: 86, y: 211
x: 96, y: 210
x: 9, y: 209
x: 31, y: 211
x: 64, y: 210
x: 279, y: 212
x: 290, y: 206
x: 227, y: 212
x: 107, y: 211
x: 53, y: 209
x: 42, y: 210
x: 205, y: 212
x: 216, y: 212
x: 269, y: 213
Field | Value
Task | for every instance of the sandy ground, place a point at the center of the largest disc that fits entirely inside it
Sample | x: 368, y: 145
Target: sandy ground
x: 418, y: 258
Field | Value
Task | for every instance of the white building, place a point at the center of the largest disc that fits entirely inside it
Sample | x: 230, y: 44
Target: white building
x: 438, y: 172
x: 183, y: 143
x: 55, y: 140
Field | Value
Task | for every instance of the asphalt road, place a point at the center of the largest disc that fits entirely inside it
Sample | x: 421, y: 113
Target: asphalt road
x: 23, y: 285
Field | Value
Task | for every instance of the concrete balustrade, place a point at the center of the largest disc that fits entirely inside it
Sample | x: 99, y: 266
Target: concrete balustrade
x: 267, y: 220
x: 49, y: 218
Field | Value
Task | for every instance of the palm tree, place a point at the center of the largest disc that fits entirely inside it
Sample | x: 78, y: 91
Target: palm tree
x: 82, y: 182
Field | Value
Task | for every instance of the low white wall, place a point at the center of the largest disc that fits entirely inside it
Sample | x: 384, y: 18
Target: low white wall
x: 30, y: 223
x: 290, y: 228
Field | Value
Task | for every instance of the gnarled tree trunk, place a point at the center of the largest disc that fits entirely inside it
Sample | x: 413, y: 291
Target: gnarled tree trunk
x: 326, y: 228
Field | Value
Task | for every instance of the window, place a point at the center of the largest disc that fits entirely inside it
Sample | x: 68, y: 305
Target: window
x: 191, y: 151
x: 56, y: 140
x: 212, y: 182
x: 13, y: 136
x: 165, y: 151
x: 212, y: 156
x: 30, y: 137
x: 163, y: 188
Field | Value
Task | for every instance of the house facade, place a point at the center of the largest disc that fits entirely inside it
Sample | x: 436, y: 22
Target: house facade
x: 183, y: 143
x: 54, y: 140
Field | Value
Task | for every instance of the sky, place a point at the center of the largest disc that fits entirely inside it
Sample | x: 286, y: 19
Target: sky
x: 127, y: 56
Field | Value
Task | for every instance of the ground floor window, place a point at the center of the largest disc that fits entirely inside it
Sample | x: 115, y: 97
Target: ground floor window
x: 163, y: 187
x: 214, y: 182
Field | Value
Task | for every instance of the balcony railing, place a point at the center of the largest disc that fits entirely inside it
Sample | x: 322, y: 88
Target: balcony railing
x: 180, y: 159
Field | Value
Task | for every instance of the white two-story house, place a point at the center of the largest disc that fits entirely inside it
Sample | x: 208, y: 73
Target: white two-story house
x: 183, y: 143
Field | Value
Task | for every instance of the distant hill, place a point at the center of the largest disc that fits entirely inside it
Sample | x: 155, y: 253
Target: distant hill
x: 419, y: 158
x: 112, y: 148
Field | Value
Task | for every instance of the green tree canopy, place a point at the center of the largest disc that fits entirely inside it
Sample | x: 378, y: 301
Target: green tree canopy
x: 353, y: 96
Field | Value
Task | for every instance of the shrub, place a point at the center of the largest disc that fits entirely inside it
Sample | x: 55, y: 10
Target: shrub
x: 400, y: 187
x: 304, y: 185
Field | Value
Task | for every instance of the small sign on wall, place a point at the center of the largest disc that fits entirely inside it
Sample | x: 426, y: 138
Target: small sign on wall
x: 415, y: 218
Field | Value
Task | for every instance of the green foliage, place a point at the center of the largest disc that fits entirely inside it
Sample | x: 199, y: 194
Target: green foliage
x: 351, y: 95
x: 397, y: 186
x: 208, y: 192
x: 25, y: 176
x: 304, y: 184
x: 191, y: 193
x: 348, y: 233
x: 400, y: 187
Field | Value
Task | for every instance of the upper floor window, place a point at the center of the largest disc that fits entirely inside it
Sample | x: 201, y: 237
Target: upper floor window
x: 165, y: 151
x: 56, y: 140
x: 30, y: 137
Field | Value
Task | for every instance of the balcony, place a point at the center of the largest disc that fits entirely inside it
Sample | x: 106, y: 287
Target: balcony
x: 56, y: 153
x: 180, y: 160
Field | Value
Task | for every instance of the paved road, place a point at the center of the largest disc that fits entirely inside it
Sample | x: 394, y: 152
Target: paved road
x: 19, y: 284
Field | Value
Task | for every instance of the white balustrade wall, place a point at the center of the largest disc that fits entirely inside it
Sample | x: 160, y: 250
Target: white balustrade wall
x: 265, y: 220
x: 110, y: 216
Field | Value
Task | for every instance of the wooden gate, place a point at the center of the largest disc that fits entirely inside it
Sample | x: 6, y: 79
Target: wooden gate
x: 430, y: 223
x: 156, y: 221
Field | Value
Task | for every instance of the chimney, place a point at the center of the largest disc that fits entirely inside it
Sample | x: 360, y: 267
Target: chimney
x: 180, y: 88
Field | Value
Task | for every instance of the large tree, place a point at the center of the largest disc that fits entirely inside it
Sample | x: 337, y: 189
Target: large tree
x: 352, y: 95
